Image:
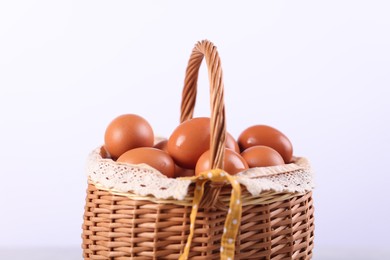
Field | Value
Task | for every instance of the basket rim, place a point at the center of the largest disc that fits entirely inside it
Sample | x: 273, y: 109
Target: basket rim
x: 112, y: 175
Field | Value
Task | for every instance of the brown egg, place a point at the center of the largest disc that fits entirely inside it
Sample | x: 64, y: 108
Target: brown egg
x: 262, y: 156
x: 103, y: 153
x: 127, y: 132
x: 231, y: 143
x: 153, y: 157
x: 233, y: 162
x: 162, y: 145
x: 182, y: 172
x: 268, y: 136
x: 191, y: 139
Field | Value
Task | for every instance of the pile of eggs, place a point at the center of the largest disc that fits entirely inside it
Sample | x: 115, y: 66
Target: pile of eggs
x: 130, y: 139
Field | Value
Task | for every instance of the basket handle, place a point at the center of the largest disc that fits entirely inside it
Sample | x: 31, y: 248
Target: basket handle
x: 216, y: 175
x: 208, y: 50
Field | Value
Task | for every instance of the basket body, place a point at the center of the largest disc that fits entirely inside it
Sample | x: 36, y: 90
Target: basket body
x: 118, y: 227
x: 226, y: 222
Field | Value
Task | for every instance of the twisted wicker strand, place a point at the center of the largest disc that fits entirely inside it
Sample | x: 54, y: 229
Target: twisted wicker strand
x: 217, y: 122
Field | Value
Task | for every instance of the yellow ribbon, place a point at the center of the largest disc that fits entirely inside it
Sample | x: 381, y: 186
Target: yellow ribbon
x: 233, y: 218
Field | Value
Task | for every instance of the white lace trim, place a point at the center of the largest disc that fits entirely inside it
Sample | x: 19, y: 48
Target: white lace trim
x: 144, y: 180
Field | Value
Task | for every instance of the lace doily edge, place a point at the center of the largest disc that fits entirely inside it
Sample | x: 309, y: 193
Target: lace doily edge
x: 256, y: 180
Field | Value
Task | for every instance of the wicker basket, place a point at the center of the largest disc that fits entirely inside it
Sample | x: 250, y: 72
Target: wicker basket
x: 273, y: 225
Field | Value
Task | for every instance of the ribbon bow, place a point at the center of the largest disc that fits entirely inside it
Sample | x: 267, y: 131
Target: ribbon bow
x: 233, y: 218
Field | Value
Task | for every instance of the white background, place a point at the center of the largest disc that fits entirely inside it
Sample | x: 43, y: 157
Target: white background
x: 319, y: 72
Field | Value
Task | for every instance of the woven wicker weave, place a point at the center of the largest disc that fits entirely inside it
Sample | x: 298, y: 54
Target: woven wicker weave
x: 273, y: 225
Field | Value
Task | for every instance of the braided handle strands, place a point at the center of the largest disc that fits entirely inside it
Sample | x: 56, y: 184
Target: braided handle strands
x: 217, y: 121
x: 217, y: 147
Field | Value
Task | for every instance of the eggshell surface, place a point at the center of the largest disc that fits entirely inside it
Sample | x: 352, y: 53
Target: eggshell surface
x: 189, y: 140
x: 162, y: 145
x: 267, y: 136
x: 231, y: 143
x: 153, y: 157
x: 262, y: 156
x: 233, y: 162
x: 127, y: 132
x: 182, y: 172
